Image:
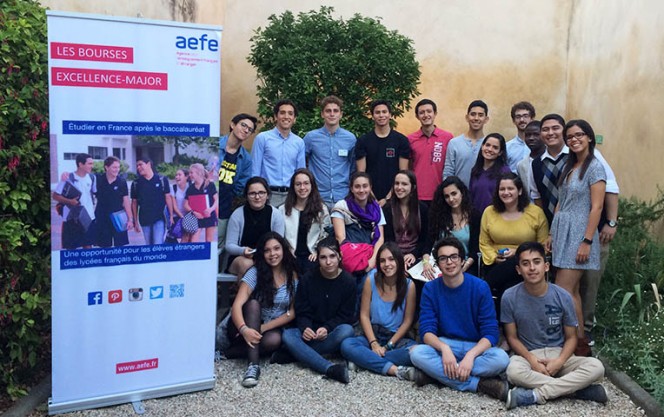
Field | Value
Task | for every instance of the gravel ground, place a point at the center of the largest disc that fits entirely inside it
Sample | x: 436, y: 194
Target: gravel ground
x: 290, y: 390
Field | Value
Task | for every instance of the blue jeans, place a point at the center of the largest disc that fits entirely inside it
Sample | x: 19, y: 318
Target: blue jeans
x: 490, y: 363
x: 309, y: 353
x: 358, y: 350
x: 154, y: 233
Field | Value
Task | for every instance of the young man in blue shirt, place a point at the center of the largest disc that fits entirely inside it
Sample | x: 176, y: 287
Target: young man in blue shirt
x: 459, y: 328
x: 277, y: 153
x: 330, y: 153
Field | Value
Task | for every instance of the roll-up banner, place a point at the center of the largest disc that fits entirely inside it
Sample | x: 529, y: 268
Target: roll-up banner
x: 133, y: 294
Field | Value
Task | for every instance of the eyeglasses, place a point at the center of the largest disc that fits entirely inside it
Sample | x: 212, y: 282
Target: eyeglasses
x: 452, y: 258
x: 246, y: 127
x: 257, y: 194
x: 521, y: 116
x: 575, y: 136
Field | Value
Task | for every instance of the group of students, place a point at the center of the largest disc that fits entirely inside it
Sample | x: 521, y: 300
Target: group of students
x: 310, y: 269
x: 99, y: 208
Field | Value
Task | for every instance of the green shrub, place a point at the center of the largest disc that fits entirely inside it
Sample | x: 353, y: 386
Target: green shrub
x: 25, y: 202
x: 308, y: 57
x: 630, y: 318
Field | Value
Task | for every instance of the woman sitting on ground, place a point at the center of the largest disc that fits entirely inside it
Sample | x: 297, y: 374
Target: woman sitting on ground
x: 406, y: 218
x: 264, y: 304
x: 386, y: 315
x: 509, y: 222
x: 324, y: 309
x: 305, y: 218
x: 258, y: 217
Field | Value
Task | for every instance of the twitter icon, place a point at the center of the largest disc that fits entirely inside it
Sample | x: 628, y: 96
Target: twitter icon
x: 156, y: 292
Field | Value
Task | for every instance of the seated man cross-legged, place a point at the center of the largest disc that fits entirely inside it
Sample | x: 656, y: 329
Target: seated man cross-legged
x: 540, y: 327
x: 459, y: 328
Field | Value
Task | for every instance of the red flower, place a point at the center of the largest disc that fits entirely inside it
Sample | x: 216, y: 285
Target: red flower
x: 13, y: 163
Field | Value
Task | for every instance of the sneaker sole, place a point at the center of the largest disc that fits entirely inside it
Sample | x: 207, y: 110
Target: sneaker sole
x: 249, y: 383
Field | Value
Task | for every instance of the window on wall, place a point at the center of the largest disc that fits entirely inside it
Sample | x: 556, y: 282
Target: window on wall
x: 98, y: 152
x: 70, y: 156
x: 120, y: 153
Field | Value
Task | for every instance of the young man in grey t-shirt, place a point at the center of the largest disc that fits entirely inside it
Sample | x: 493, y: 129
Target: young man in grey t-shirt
x: 540, y: 327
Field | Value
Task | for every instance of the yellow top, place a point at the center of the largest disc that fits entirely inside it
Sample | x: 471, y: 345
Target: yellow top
x: 498, y: 233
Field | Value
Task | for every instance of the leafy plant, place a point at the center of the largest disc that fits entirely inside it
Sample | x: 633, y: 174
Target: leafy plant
x: 630, y: 316
x: 24, y: 219
x: 308, y: 57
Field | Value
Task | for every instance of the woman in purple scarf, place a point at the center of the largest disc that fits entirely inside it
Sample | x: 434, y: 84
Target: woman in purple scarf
x: 358, y: 218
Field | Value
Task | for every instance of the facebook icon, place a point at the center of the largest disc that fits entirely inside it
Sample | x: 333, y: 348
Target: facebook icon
x: 94, y: 298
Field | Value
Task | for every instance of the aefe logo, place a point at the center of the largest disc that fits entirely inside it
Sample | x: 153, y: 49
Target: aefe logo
x: 195, y: 43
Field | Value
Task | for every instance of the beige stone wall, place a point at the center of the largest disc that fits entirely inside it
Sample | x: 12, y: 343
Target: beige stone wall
x: 616, y: 82
x: 582, y: 58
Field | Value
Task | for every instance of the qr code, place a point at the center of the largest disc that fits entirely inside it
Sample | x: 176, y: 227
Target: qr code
x: 177, y: 290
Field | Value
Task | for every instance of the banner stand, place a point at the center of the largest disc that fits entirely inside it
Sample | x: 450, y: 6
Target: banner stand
x: 123, y: 398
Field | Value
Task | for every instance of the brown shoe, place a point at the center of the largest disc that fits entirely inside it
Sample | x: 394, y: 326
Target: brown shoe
x: 493, y: 387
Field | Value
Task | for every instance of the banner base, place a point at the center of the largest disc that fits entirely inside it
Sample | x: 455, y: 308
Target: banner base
x: 129, y: 397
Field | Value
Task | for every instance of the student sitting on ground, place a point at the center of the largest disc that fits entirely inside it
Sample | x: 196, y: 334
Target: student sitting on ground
x: 262, y: 307
x: 324, y: 308
x: 459, y: 328
x: 540, y: 326
x: 386, y: 315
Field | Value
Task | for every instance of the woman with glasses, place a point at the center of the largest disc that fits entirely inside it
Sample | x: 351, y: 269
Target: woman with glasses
x: 386, y: 315
x: 305, y: 217
x: 509, y: 222
x: 234, y: 166
x: 248, y: 223
x: 574, y: 238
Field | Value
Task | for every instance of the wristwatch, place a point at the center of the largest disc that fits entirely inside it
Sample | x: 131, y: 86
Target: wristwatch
x: 389, y: 345
x: 586, y: 240
x: 611, y: 223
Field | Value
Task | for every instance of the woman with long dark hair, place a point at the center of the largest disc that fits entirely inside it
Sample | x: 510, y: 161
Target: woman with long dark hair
x: 406, y: 218
x: 451, y: 214
x: 264, y: 304
x: 386, y: 315
x: 305, y: 218
x: 575, y: 240
x: 361, y: 212
x: 491, y: 163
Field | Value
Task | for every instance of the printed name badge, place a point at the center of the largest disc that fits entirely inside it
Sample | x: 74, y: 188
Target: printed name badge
x: 343, y: 152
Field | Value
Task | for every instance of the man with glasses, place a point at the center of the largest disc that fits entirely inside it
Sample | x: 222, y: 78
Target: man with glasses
x: 330, y: 153
x: 277, y: 153
x: 459, y: 328
x: 517, y: 150
x: 234, y: 166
